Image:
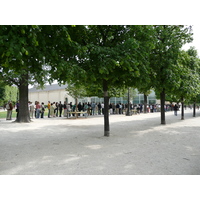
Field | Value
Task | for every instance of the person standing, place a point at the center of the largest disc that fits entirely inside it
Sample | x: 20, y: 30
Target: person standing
x: 99, y: 109
x: 120, y: 108
x: 56, y: 109
x: 93, y: 107
x: 49, y: 106
x: 79, y: 108
x: 102, y: 107
x: 68, y: 110
x: 42, y: 110
x: 60, y: 108
x: 85, y: 108
x: 113, y: 107
x: 110, y: 108
x: 175, y: 109
x: 89, y: 108
x: 117, y: 108
x: 9, y: 108
x: 31, y: 109
x: 52, y: 107
x: 17, y: 109
x: 38, y: 109
x: 65, y: 109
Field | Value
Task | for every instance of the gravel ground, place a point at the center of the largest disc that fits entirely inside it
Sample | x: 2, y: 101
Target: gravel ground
x: 138, y: 145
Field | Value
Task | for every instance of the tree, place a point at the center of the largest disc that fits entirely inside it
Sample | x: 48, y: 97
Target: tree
x: 76, y: 91
x: 189, y: 88
x: 164, y: 59
x: 29, y: 54
x: 8, y: 93
x: 112, y: 57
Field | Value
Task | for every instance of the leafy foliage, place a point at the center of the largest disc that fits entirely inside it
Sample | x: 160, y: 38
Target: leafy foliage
x: 189, y: 79
x: 29, y: 54
x: 164, y: 57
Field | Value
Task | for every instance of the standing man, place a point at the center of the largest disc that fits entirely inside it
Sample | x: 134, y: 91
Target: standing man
x: 38, y: 110
x: 60, y: 108
x: 175, y: 109
x: 49, y: 107
x: 99, y: 109
x: 65, y: 108
x: 9, y: 108
x: 17, y: 109
x: 93, y: 107
x: 31, y: 109
x: 102, y: 107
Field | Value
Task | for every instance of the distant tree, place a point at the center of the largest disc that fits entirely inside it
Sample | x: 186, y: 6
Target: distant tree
x: 164, y: 59
x: 7, y: 93
x: 189, y: 77
x: 76, y: 91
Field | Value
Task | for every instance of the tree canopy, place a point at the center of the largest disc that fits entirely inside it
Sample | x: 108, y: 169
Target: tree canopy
x: 32, y: 54
x: 112, y: 56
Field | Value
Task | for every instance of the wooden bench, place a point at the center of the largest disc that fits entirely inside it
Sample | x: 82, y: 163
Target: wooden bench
x: 134, y: 112
x: 76, y: 113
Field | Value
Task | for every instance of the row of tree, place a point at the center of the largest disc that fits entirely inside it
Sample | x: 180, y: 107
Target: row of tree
x: 106, y: 59
x: 8, y: 93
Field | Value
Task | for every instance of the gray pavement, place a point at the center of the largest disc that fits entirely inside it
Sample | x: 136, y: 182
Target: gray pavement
x: 138, y: 145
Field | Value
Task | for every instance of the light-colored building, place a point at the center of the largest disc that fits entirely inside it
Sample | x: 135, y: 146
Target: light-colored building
x: 56, y: 93
x: 52, y: 93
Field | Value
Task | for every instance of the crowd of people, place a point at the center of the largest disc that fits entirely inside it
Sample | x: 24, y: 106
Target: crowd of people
x: 57, y: 109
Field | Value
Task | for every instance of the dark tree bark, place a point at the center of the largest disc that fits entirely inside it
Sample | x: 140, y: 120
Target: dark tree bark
x: 106, y: 109
x: 128, y: 104
x: 145, y: 103
x: 194, y: 109
x: 23, y: 115
x: 182, y: 109
x: 162, y: 99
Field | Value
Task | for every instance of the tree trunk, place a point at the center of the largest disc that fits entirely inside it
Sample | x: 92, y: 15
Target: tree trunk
x: 194, y: 109
x: 76, y: 107
x: 162, y: 99
x: 182, y: 109
x: 128, y: 105
x: 106, y: 109
x: 23, y: 116
x: 145, y: 103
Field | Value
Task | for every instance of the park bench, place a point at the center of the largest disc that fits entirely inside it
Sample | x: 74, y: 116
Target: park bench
x: 84, y: 113
x: 134, y: 112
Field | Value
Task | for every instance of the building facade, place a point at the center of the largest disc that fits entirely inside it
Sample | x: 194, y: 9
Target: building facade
x: 52, y: 93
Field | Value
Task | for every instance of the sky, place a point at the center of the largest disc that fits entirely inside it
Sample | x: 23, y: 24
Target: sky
x: 196, y: 39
